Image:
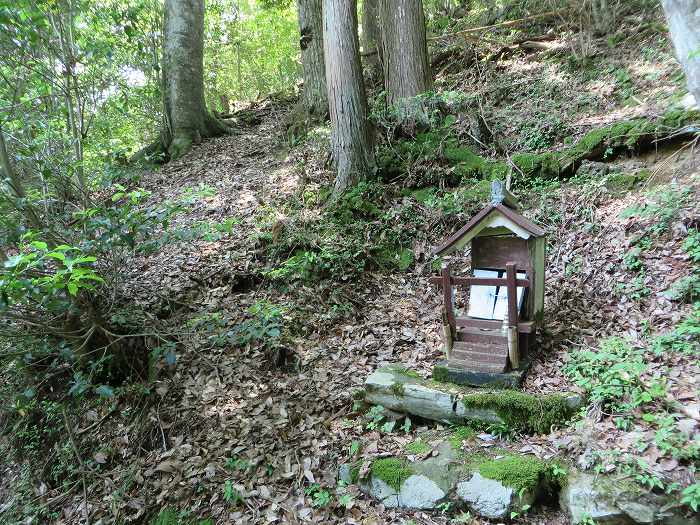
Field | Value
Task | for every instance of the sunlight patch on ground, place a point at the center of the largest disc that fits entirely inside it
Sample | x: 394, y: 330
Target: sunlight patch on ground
x: 286, y: 179
x: 246, y: 198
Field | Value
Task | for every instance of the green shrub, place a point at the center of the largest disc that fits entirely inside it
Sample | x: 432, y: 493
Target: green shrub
x: 364, y: 229
x: 613, y: 374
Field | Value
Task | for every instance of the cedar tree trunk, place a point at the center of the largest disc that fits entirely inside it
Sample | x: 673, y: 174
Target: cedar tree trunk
x: 311, y: 44
x: 371, y: 37
x: 187, y: 120
x: 684, y: 25
x: 351, y: 137
x: 406, y: 66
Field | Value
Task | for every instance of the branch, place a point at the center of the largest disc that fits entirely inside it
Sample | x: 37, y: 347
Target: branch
x: 502, y: 24
x: 82, y: 464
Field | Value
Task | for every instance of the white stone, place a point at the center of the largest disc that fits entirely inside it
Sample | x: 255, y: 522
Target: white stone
x: 420, y: 492
x: 582, y: 499
x: 383, y: 492
x: 487, y: 497
x: 380, y: 379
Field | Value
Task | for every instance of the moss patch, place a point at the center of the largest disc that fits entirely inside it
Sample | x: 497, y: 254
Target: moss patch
x: 418, y: 447
x: 625, y: 181
x: 459, y: 435
x: 609, y: 141
x: 544, y: 165
x: 522, y: 411
x: 392, y: 471
x: 397, y: 389
x: 603, y: 143
x: 440, y: 373
x: 518, y: 472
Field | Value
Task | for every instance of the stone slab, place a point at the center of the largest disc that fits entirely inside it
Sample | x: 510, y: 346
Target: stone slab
x: 396, y: 389
x: 444, y: 372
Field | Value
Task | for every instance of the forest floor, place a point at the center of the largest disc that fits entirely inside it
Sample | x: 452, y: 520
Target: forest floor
x: 237, y: 428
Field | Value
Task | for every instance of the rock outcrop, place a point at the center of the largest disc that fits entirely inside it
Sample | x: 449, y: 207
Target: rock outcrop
x: 617, y: 501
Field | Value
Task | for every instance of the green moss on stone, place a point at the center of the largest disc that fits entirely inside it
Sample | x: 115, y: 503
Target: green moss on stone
x: 609, y: 140
x: 522, y: 411
x: 418, y: 447
x: 459, y: 435
x: 545, y: 165
x: 397, y: 389
x: 518, y: 472
x: 400, y: 369
x: 392, y: 471
x: 440, y: 373
x: 622, y: 181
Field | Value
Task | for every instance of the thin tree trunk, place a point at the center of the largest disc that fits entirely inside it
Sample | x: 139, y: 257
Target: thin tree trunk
x: 311, y: 44
x: 8, y: 170
x: 63, y: 27
x: 371, y: 37
x: 351, y: 137
x: 16, y: 185
x: 406, y: 66
x: 187, y: 120
x: 684, y: 25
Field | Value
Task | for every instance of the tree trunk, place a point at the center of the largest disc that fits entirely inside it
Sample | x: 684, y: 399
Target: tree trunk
x: 311, y: 44
x: 15, y: 183
x: 684, y: 25
x: 406, y: 67
x: 351, y: 137
x: 187, y: 120
x: 371, y: 38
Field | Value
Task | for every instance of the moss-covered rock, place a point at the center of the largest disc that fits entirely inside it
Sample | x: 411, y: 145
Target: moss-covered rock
x: 618, y: 500
x: 457, y: 404
x: 518, y: 472
x: 392, y: 471
x: 522, y: 411
x: 543, y: 165
x: 604, y: 143
x: 610, y: 141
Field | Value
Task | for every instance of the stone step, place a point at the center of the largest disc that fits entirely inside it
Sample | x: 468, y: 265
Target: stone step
x: 484, y: 348
x: 478, y: 366
x: 481, y: 335
x: 479, y: 355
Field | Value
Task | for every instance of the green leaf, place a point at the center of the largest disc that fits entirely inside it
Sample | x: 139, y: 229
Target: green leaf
x: 14, y: 260
x: 104, y: 391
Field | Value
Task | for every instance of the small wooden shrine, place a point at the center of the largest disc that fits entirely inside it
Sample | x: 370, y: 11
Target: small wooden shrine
x: 505, y: 291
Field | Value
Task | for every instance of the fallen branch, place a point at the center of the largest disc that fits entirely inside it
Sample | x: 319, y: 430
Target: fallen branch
x: 82, y: 465
x: 501, y: 24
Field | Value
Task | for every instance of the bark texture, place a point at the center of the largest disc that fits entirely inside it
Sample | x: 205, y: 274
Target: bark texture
x: 684, y: 25
x: 311, y: 44
x: 351, y: 137
x: 187, y: 120
x: 405, y: 58
x: 371, y: 37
